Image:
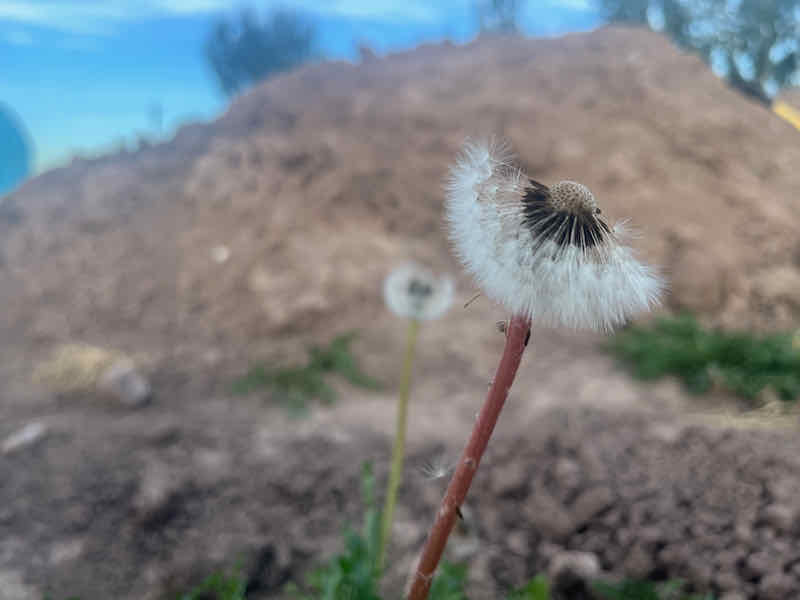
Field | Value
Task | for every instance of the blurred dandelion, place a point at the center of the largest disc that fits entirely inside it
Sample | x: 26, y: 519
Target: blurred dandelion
x: 413, y: 292
x: 544, y: 253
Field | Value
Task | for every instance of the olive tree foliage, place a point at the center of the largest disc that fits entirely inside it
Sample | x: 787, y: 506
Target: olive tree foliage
x: 498, y: 16
x: 754, y: 43
x: 245, y: 49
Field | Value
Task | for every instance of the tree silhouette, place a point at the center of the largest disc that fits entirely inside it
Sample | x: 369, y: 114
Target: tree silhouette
x: 754, y: 42
x: 244, y: 49
x: 499, y: 16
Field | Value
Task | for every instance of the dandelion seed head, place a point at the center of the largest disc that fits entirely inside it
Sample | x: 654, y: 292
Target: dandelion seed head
x: 573, y: 197
x: 414, y: 292
x: 541, y: 251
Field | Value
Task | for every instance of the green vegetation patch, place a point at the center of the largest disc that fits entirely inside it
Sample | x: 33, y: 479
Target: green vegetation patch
x: 741, y: 362
x: 631, y: 589
x: 296, y: 386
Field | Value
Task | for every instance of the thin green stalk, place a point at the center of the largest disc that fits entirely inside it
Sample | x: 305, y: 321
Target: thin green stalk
x: 398, y: 451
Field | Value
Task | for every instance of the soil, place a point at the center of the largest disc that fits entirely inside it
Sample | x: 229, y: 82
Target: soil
x: 273, y: 227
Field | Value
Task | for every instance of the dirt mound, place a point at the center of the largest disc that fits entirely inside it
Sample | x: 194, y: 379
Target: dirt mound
x: 260, y: 223
x: 151, y: 513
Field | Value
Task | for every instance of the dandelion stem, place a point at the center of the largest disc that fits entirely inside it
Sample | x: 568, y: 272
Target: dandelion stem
x: 398, y: 451
x: 516, y: 338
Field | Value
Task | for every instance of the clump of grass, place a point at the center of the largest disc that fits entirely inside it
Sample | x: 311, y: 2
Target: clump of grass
x: 296, y: 386
x: 741, y: 362
x: 632, y: 589
x: 537, y: 588
x: 354, y: 573
x: 218, y: 586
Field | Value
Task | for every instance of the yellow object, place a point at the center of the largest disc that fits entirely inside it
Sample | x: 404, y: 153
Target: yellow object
x: 74, y: 367
x: 787, y: 112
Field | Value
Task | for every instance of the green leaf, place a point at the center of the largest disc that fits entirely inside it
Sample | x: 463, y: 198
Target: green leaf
x: 537, y: 588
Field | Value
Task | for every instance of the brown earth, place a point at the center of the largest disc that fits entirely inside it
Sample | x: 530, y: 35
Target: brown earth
x: 316, y: 183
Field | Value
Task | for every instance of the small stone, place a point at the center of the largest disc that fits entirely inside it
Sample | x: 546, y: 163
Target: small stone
x: 590, y: 503
x: 638, y: 563
x: 612, y: 518
x: 700, y: 573
x: 220, y: 254
x: 568, y: 473
x: 157, y: 490
x: 547, y: 515
x: 743, y: 533
x: 123, y: 382
x: 728, y: 581
x: 518, y: 542
x: 652, y: 534
x: 666, y: 432
x: 676, y: 556
x: 776, y: 586
x: 781, y: 517
x: 25, y: 437
x: 13, y: 587
x: 580, y: 566
x: 726, y: 560
x: 758, y: 564
x: 783, y: 489
x: 66, y: 551
x: 510, y: 477
x: 733, y: 596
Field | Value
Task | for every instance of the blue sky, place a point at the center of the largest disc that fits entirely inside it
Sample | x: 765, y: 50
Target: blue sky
x: 85, y: 75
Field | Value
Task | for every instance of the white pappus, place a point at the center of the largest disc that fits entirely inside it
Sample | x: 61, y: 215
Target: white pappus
x: 541, y: 251
x: 414, y: 292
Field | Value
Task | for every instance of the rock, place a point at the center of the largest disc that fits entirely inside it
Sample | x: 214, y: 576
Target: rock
x: 220, y: 254
x: 518, y: 542
x: 66, y: 551
x: 733, y: 596
x: 781, y: 517
x: 567, y: 473
x: 728, y: 581
x: 25, y: 437
x: 676, y: 555
x: 652, y: 534
x: 14, y: 587
x: 510, y: 478
x: 758, y: 564
x: 546, y: 515
x: 776, y: 586
x: 743, y: 533
x: 159, y: 489
x: 638, y: 563
x: 573, y: 566
x: 700, y: 573
x: 726, y: 560
x: 123, y: 382
x: 590, y: 503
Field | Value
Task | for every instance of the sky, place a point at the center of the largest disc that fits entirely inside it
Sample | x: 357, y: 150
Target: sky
x: 85, y: 76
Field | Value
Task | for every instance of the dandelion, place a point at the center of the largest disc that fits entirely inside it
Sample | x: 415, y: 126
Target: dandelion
x: 545, y: 254
x: 415, y: 293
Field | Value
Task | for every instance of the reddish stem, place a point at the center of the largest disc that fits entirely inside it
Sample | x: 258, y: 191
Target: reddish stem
x: 516, y: 338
